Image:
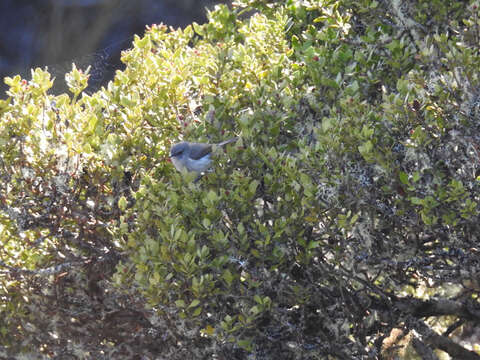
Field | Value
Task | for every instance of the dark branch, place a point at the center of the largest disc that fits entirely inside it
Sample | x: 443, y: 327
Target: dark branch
x: 436, y: 341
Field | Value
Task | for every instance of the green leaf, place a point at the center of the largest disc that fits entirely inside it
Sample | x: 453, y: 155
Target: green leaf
x: 416, y: 176
x: 92, y: 123
x: 180, y: 303
x: 245, y: 344
x: 252, y: 187
x: 122, y: 203
x: 194, y: 303
x: 77, y: 80
x: 197, y: 312
x: 211, y: 196
x: 228, y: 277
x: 403, y: 177
x: 241, y: 228
x: 365, y: 148
x: 313, y: 245
x: 206, y: 223
x: 199, y: 29
x: 416, y: 201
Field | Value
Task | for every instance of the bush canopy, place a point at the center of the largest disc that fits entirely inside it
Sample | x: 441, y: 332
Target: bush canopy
x: 343, y: 224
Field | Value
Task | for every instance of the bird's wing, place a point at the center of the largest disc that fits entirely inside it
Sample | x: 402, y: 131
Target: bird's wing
x: 198, y: 151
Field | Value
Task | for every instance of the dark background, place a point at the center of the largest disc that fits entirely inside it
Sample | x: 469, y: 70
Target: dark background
x: 55, y: 33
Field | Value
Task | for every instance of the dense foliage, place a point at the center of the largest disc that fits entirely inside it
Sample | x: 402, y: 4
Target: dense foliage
x: 343, y: 224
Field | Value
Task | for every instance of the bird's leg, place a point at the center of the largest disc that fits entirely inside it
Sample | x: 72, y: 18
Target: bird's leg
x: 198, y: 177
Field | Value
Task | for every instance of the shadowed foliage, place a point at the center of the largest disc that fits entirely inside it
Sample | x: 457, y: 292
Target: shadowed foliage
x: 343, y: 224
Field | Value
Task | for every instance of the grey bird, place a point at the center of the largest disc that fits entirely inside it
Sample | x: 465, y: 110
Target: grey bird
x: 194, y: 157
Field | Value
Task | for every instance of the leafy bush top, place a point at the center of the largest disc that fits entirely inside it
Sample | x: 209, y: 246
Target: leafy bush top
x: 350, y: 199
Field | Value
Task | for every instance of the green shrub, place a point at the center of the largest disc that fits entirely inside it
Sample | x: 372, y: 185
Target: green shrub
x: 347, y: 209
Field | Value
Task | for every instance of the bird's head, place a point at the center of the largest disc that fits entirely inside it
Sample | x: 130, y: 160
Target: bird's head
x: 178, y: 150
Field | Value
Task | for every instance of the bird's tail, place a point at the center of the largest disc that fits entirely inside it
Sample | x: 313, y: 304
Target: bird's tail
x: 227, y: 141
